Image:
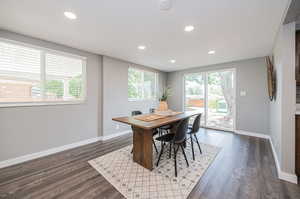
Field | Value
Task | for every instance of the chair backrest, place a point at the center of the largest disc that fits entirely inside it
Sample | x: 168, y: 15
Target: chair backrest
x: 196, y: 124
x: 181, y: 130
x: 133, y: 113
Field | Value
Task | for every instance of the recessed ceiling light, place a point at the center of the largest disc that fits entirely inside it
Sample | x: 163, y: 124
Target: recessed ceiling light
x: 172, y: 61
x: 211, y: 52
x: 141, y: 47
x: 189, y: 28
x: 70, y: 15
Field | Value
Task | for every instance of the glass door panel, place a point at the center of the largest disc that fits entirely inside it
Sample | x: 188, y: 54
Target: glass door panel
x: 221, y: 99
x: 195, y: 94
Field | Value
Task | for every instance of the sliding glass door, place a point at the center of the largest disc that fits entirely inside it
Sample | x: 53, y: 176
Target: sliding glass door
x: 213, y: 94
x: 195, y: 94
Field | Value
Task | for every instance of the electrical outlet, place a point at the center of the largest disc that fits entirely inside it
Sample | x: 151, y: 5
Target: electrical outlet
x: 117, y: 126
x: 243, y: 93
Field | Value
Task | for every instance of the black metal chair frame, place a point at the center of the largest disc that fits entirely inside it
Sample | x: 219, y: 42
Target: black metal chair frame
x: 192, y: 132
x: 178, y: 139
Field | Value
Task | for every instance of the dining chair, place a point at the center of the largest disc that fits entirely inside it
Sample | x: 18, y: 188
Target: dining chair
x: 162, y: 129
x: 134, y: 113
x: 165, y: 129
x: 192, y: 131
x: 176, y: 140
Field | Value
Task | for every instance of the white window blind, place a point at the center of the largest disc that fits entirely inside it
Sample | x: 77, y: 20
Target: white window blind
x: 142, y: 85
x: 31, y: 75
x: 63, y: 77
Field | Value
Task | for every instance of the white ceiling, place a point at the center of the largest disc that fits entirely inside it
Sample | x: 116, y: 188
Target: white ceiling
x: 235, y: 29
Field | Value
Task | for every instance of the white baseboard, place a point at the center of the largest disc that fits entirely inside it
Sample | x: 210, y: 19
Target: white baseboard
x: 288, y: 177
x: 40, y: 154
x: 25, y: 158
x: 275, y: 157
x: 107, y: 137
x: 281, y: 174
x: 252, y: 134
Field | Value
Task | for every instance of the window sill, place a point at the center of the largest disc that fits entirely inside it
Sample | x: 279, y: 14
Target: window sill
x: 45, y: 103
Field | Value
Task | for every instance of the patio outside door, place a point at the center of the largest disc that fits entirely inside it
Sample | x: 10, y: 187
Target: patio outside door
x: 213, y: 94
x: 195, y: 94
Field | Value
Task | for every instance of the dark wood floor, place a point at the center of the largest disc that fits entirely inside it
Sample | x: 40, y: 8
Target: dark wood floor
x: 244, y: 168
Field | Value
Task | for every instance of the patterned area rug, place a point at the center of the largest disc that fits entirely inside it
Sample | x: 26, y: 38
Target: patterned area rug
x: 134, y: 181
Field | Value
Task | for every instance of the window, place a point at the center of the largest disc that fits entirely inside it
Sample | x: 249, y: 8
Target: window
x: 63, y: 78
x: 30, y: 75
x: 142, y: 85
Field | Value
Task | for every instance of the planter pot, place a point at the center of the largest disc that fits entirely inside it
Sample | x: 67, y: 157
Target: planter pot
x: 163, y: 106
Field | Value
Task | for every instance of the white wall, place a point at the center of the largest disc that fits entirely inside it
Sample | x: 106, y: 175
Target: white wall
x: 26, y: 130
x: 252, y: 110
x: 115, y: 94
x: 282, y: 110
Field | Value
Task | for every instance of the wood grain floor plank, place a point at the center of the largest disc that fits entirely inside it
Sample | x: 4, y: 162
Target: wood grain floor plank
x: 53, y: 175
x: 42, y: 164
x: 244, y: 168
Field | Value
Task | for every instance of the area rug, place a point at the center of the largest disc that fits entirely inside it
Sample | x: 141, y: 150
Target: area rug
x: 134, y: 181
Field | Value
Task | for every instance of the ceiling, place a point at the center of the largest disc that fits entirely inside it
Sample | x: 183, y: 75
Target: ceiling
x: 293, y: 13
x: 235, y: 29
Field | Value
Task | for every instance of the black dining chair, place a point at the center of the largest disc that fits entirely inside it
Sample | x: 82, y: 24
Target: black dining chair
x: 192, y: 131
x: 151, y: 110
x: 162, y: 129
x: 134, y: 113
x: 165, y: 129
x: 175, y: 139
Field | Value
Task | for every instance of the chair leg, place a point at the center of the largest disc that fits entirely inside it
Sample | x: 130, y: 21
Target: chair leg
x: 161, y: 152
x: 170, y: 150
x: 184, y: 155
x: 198, y: 143
x: 175, y: 160
x: 154, y: 145
x: 192, y: 144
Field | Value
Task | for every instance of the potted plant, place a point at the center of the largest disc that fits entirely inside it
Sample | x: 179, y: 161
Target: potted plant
x: 163, y: 105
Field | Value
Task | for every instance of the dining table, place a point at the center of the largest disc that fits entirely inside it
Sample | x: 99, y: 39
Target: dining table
x: 143, y: 127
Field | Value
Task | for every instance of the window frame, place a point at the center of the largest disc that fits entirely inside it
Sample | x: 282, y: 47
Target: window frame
x: 43, y: 53
x: 143, y: 99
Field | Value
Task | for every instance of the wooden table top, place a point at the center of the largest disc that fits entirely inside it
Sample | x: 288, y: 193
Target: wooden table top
x: 156, y: 123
